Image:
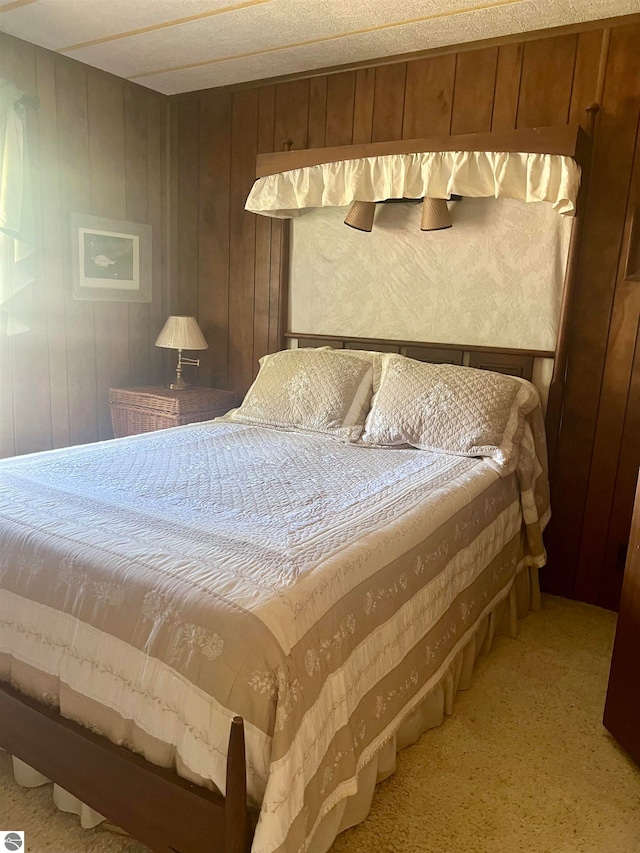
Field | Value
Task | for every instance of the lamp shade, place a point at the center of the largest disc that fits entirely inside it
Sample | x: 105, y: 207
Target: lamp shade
x: 361, y: 215
x: 181, y: 333
x: 435, y: 214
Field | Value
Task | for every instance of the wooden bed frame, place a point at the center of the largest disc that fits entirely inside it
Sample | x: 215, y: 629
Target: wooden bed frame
x: 155, y: 805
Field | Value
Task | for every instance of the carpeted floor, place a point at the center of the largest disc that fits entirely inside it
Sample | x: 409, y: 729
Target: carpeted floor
x: 523, y: 765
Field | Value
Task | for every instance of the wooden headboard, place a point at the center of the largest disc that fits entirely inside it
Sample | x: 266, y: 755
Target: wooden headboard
x: 515, y: 362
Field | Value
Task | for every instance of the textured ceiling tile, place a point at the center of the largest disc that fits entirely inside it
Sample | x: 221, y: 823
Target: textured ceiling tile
x: 326, y: 54
x: 231, y: 41
x: 56, y: 25
x: 261, y: 28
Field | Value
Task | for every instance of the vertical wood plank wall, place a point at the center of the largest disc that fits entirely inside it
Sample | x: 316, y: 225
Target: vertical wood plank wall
x: 229, y: 264
x: 97, y: 146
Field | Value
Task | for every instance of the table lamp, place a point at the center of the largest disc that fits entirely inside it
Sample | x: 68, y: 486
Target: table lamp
x: 182, y: 333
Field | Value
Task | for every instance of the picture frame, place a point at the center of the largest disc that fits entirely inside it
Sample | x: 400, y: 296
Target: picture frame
x: 111, y: 259
x: 632, y: 266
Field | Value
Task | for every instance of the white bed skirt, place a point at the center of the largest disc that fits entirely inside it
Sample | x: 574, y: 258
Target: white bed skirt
x: 523, y: 595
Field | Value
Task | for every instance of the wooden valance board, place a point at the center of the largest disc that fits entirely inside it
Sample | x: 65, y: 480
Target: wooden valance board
x: 568, y: 140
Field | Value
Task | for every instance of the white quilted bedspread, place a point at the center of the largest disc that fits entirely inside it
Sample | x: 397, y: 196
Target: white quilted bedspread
x: 155, y: 586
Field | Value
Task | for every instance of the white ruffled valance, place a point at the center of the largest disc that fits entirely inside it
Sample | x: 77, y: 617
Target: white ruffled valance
x: 477, y: 174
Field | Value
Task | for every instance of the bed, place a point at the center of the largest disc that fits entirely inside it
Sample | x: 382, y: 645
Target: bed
x: 321, y: 563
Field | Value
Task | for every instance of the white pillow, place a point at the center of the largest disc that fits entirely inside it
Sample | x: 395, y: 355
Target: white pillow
x: 314, y: 390
x: 449, y: 409
x: 372, y: 356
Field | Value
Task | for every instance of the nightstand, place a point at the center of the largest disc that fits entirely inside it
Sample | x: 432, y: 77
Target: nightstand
x: 148, y: 408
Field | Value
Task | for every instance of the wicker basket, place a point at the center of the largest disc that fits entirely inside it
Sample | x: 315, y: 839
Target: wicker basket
x: 135, y: 410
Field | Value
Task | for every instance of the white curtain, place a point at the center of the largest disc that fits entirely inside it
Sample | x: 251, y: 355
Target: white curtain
x: 474, y: 174
x: 16, y: 214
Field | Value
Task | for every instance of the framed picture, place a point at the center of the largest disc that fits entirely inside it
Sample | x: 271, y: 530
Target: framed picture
x: 111, y: 259
x: 632, y: 270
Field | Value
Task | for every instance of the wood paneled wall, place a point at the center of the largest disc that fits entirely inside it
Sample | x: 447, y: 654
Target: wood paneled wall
x: 97, y: 146
x: 599, y: 445
x: 228, y: 264
x: 102, y: 146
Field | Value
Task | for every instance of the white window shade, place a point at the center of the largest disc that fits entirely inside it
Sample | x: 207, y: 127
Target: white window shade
x: 552, y: 178
x: 16, y: 215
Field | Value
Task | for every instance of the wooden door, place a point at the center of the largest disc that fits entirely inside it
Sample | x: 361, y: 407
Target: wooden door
x: 622, y: 708
x: 615, y: 454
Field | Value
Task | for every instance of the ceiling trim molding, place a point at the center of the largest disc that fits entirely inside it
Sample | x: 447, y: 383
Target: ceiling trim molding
x: 17, y: 4
x: 245, y: 4
x: 464, y: 10
x: 463, y: 47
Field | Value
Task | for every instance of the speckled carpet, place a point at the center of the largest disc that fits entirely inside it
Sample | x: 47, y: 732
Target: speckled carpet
x: 523, y: 765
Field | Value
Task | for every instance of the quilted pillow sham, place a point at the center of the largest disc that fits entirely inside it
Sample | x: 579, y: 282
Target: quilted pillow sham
x: 449, y: 409
x: 310, y: 389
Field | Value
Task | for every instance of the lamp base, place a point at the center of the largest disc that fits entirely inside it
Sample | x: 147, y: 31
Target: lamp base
x: 179, y: 384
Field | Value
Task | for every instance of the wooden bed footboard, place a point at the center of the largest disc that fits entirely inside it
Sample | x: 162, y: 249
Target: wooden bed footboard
x: 152, y: 804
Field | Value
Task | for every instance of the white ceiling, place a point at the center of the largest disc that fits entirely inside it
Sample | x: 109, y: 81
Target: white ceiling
x: 182, y: 45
